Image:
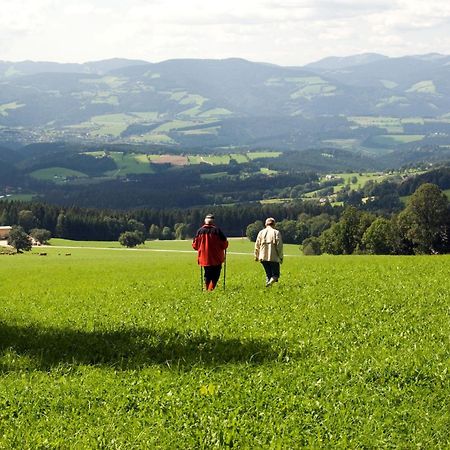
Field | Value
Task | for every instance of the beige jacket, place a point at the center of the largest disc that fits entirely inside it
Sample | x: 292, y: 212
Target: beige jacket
x: 269, y: 245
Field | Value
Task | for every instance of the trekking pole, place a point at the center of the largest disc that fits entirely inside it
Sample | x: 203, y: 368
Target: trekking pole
x: 201, y: 278
x: 225, y: 269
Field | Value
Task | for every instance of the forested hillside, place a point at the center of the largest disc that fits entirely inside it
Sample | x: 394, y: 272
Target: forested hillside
x: 214, y: 103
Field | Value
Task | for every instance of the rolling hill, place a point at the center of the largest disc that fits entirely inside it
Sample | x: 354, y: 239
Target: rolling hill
x: 216, y: 102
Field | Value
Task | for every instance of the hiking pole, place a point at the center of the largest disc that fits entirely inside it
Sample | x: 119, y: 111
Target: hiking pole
x: 224, y: 269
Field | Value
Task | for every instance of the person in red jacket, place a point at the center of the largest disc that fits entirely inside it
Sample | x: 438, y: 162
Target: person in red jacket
x: 210, y: 243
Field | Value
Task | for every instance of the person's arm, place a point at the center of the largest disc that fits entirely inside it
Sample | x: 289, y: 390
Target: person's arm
x: 280, y: 246
x: 257, y: 246
x: 195, y: 242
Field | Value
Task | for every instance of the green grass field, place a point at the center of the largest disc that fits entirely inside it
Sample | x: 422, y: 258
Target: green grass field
x: 259, y: 155
x: 20, y: 197
x: 57, y: 175
x: 361, y: 180
x: 391, y: 124
x: 111, y: 124
x: 121, y: 349
x: 139, y: 163
x: 395, y: 139
x: 128, y: 163
x: 5, y: 107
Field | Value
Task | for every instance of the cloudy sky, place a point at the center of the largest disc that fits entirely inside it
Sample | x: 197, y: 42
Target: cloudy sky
x: 286, y: 32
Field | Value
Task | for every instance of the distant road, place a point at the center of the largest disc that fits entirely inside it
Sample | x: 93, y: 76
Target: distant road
x: 140, y: 249
x: 136, y: 249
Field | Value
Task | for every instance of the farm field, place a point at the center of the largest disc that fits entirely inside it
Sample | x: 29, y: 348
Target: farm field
x: 57, y: 174
x: 361, y: 179
x: 121, y: 349
x: 392, y: 140
x: 237, y: 245
x: 128, y: 163
x: 353, y: 179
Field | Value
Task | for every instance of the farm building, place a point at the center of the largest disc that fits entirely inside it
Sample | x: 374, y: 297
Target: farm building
x: 4, y: 232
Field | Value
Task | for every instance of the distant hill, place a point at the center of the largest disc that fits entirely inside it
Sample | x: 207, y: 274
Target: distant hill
x: 9, y: 175
x: 217, y: 103
x: 8, y: 156
x: 15, y: 69
x: 336, y: 62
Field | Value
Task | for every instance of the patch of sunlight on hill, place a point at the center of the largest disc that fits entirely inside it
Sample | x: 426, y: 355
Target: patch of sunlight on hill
x: 9, y: 106
x: 389, y: 84
x: 57, y: 174
x: 173, y: 125
x: 111, y: 81
x: 391, y: 124
x: 423, y: 87
x: 402, y: 101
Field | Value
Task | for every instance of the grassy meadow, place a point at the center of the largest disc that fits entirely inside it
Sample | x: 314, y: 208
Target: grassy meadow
x: 120, y: 349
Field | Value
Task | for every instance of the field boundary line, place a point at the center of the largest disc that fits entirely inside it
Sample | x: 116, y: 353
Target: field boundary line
x: 141, y: 249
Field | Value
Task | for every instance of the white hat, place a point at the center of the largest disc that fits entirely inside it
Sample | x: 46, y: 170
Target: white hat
x: 270, y: 221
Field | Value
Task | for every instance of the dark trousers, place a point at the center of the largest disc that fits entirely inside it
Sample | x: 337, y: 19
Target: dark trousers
x: 212, y: 273
x: 272, y: 269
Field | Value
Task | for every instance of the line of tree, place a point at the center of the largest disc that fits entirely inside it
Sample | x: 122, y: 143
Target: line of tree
x: 423, y: 227
x: 107, y: 225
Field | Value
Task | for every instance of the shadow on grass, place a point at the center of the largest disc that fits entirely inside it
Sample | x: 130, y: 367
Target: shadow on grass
x: 126, y: 349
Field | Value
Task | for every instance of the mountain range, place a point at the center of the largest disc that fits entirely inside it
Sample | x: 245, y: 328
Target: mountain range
x: 217, y: 102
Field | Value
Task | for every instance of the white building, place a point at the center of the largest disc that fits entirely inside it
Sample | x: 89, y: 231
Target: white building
x: 4, y: 232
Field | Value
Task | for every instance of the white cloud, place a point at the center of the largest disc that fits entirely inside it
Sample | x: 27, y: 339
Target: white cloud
x: 290, y: 32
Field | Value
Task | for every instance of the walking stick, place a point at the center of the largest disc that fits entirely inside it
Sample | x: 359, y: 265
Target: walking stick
x: 224, y: 269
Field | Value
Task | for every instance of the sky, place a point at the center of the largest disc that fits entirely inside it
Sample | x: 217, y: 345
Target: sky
x: 284, y: 32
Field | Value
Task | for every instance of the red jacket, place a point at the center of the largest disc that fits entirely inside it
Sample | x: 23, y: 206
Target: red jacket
x: 210, y: 244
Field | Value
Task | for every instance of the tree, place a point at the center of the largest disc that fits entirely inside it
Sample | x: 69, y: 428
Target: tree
x: 154, y: 231
x: 426, y: 220
x: 351, y: 230
x: 311, y: 246
x: 253, y: 229
x: 288, y: 229
x: 40, y: 235
x: 354, y: 198
x: 19, y: 239
x: 4, y: 218
x: 301, y: 231
x: 318, y: 224
x: 131, y: 238
x: 135, y: 225
x: 381, y: 238
x: 166, y: 234
x: 61, y: 225
x: 26, y: 220
x: 182, y: 231
x: 113, y: 227
x: 331, y: 239
x: 345, y: 236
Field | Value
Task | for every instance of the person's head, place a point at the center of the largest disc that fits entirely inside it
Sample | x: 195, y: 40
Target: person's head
x: 209, y: 219
x: 270, y: 221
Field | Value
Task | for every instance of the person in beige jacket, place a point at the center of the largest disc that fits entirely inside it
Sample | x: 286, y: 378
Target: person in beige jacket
x: 269, y: 251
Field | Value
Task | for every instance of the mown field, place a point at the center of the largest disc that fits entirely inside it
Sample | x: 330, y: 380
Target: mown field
x: 121, y: 349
